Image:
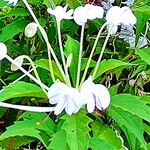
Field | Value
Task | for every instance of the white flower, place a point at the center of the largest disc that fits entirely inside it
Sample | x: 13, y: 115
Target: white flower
x: 128, y: 2
x: 61, y: 13
x: 65, y: 97
x: 96, y: 95
x: 82, y: 14
x: 12, y: 1
x: 30, y: 29
x: 3, y: 51
x: 18, y: 61
x: 117, y: 16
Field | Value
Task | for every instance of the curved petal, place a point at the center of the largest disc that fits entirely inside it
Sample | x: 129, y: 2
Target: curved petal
x: 19, y: 62
x: 103, y: 100
x: 55, y: 91
x: 80, y: 15
x: 113, y: 15
x: 3, y: 51
x: 60, y: 106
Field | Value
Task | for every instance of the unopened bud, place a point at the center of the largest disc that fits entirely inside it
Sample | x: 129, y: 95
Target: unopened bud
x: 3, y: 51
x: 19, y: 62
x: 30, y: 29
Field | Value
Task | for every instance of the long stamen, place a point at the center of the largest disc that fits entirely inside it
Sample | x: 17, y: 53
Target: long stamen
x: 80, y: 56
x: 62, y: 52
x: 27, y: 108
x: 27, y: 73
x: 91, y: 54
x: 101, y: 55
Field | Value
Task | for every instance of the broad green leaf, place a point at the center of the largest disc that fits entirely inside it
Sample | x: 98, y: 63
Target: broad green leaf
x: 144, y: 54
x: 48, y: 4
x: 143, y: 15
x: 58, y: 141
x: 131, y: 122
x: 132, y: 104
x: 72, y: 46
x: 22, y: 128
x: 132, y: 140
x: 84, y: 63
x: 17, y: 12
x: 43, y: 63
x: 12, y: 29
x: 77, y: 130
x: 21, y: 89
x: 42, y: 121
x: 99, y: 144
x: 109, y: 65
x: 16, y: 142
x: 105, y: 133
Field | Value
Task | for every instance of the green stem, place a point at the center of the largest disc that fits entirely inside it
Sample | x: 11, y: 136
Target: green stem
x: 47, y: 43
x: 92, y: 52
x: 80, y: 56
x: 27, y: 73
x: 62, y: 52
x: 27, y: 108
x: 34, y: 69
x: 100, y: 56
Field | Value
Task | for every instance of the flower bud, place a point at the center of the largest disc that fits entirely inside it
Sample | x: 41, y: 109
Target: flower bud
x: 30, y: 29
x: 19, y: 62
x: 3, y: 51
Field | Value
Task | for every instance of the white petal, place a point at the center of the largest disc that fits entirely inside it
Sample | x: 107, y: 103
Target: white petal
x: 113, y: 15
x: 60, y: 106
x: 86, y: 92
x: 3, y: 51
x: 30, y: 29
x: 55, y: 91
x: 127, y: 16
x: 70, y: 106
x: 102, y: 92
x: 93, y: 12
x: 112, y: 28
x: 80, y: 15
x: 19, y: 62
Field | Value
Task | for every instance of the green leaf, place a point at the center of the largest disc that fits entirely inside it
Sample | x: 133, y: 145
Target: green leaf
x: 22, y: 128
x: 130, y: 121
x: 17, y: 12
x: 72, y: 46
x: 21, y: 89
x: 12, y: 29
x: 143, y: 15
x: 109, y: 65
x: 98, y: 144
x: 42, y: 121
x: 43, y: 63
x: 77, y: 130
x: 144, y: 54
x: 16, y: 142
x: 58, y: 141
x: 105, y: 133
x: 132, y: 104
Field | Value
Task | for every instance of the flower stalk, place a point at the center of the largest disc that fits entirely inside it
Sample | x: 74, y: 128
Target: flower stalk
x: 80, y: 55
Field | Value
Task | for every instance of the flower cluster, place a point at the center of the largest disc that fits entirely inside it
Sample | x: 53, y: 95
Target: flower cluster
x: 62, y: 95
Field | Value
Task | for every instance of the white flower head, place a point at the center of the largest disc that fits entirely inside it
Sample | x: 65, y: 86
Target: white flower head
x: 61, y: 13
x: 82, y: 14
x: 117, y: 16
x: 30, y: 29
x: 18, y: 61
x: 95, y: 95
x: 12, y: 1
x: 66, y: 98
x: 3, y: 51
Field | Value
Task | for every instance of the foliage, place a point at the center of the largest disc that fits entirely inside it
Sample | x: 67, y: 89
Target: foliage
x: 124, y: 69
